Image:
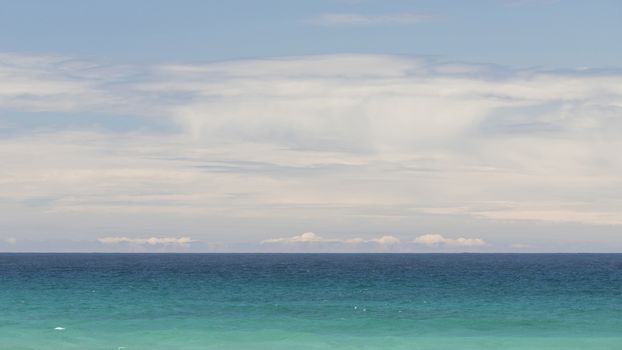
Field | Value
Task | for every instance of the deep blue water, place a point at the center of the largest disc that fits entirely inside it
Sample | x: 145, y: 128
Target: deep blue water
x: 311, y: 301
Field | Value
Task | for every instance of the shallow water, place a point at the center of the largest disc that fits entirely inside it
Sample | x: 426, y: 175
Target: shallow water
x: 311, y: 301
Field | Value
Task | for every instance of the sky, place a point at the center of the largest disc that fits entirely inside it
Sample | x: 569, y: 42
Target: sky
x: 311, y: 126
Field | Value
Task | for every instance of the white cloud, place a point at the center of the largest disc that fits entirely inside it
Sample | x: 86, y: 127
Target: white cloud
x: 310, y: 237
x: 519, y: 246
x: 11, y: 240
x: 386, y: 240
x: 181, y: 241
x: 528, y: 2
x: 352, y: 141
x: 436, y: 239
x: 307, y: 237
x: 335, y: 19
x: 58, y: 83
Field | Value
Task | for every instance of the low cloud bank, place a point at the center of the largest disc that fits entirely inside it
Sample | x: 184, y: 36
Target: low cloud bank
x: 181, y: 241
x: 436, y: 239
x: 310, y: 237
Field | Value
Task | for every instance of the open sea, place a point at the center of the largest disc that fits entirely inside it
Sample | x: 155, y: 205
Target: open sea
x: 311, y: 301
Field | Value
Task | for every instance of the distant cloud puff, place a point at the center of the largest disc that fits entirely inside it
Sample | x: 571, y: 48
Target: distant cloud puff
x: 436, y: 239
x: 305, y: 237
x: 11, y: 240
x: 519, y: 246
x: 182, y: 241
x: 386, y: 240
x: 334, y: 19
x: 310, y: 237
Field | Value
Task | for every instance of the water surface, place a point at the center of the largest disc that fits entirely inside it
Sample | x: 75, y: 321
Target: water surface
x: 311, y: 301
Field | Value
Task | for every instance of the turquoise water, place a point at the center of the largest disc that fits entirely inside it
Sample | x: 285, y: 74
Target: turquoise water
x: 311, y: 301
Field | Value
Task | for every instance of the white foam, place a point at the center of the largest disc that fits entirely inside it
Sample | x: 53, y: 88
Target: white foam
x: 59, y: 328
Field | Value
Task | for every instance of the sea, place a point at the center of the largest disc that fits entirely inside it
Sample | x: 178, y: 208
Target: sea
x: 310, y: 301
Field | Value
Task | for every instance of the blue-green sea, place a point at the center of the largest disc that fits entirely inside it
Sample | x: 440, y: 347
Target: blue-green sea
x: 311, y: 301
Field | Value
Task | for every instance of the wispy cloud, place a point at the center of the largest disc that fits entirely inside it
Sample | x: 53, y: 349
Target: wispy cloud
x: 310, y: 237
x: 59, y: 83
x: 180, y: 241
x: 436, y: 239
x: 528, y: 2
x: 356, y: 19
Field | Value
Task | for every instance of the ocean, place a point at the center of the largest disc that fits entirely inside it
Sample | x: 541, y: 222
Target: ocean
x: 311, y: 301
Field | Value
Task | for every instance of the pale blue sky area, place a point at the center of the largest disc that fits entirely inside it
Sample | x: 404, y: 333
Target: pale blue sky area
x: 331, y: 126
x: 520, y: 33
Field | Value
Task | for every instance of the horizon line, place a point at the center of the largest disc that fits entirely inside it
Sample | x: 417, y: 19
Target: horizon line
x: 307, y: 253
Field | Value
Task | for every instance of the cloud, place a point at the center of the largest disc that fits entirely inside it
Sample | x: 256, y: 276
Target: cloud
x: 386, y: 240
x: 307, y: 237
x: 11, y: 240
x: 355, y: 19
x: 528, y: 2
x: 310, y: 237
x: 181, y: 241
x: 356, y: 142
x: 60, y: 83
x: 519, y: 246
x: 436, y: 239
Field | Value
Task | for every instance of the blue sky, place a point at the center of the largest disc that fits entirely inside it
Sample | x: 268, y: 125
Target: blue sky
x: 519, y: 33
x: 406, y: 126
